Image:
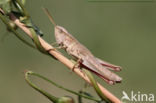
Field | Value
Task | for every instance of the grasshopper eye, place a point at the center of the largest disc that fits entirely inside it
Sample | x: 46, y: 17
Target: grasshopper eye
x: 60, y: 31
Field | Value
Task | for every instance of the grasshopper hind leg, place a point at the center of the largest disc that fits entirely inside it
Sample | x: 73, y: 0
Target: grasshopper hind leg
x: 77, y: 64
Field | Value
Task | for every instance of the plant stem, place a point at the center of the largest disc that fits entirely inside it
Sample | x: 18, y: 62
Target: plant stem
x: 96, y: 87
x: 5, y: 21
x: 46, y: 94
x: 57, y: 85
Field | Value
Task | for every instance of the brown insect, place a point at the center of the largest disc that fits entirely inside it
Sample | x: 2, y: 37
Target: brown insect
x: 84, y: 57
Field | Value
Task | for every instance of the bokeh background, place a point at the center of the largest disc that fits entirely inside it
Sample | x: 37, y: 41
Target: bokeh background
x: 123, y: 33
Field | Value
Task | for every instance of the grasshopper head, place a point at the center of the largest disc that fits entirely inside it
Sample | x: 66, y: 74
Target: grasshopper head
x: 60, y: 34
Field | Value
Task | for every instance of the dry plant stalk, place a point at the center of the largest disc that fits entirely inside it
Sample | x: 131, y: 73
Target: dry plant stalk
x: 63, y: 59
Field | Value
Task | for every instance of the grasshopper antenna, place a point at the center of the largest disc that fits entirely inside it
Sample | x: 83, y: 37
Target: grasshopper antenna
x: 49, y: 16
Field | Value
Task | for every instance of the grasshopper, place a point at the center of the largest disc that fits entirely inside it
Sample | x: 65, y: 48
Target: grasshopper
x: 84, y: 57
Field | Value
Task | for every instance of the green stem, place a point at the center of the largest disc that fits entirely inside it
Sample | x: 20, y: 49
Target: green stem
x: 61, y: 87
x: 37, y: 42
x: 96, y: 87
x: 23, y: 8
x: 5, y: 21
x: 34, y: 35
x: 46, y: 94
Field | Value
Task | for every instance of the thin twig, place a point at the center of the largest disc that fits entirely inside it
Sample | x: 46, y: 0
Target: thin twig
x: 63, y: 59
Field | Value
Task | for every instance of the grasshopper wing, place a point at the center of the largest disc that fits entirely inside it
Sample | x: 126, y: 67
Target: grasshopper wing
x: 109, y: 65
x: 90, y: 67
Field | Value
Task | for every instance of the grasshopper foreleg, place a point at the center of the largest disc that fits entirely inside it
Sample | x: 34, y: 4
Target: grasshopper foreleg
x: 55, y: 47
x: 54, y: 43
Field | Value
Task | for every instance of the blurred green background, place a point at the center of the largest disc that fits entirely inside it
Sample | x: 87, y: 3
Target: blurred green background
x: 123, y: 33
